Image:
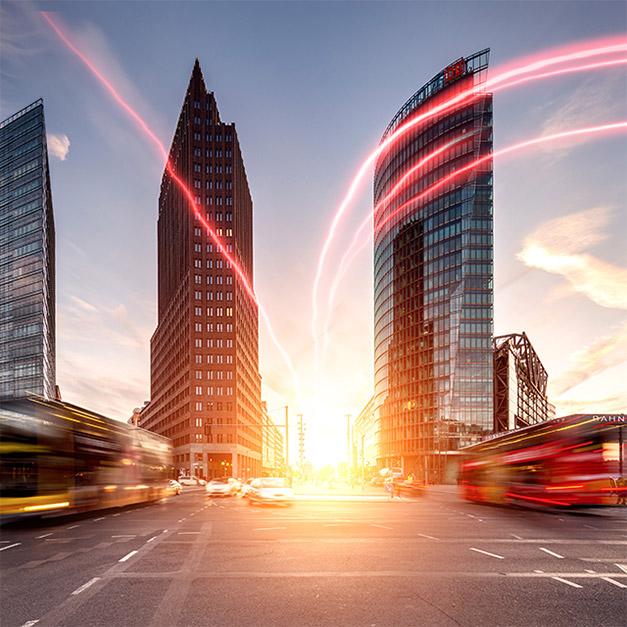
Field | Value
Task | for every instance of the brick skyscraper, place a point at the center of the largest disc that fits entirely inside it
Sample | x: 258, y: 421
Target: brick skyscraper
x: 205, y: 350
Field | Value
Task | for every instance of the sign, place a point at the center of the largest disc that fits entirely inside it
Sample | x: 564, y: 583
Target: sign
x: 455, y: 70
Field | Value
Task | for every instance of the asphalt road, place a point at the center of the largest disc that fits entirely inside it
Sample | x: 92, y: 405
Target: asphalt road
x: 437, y: 561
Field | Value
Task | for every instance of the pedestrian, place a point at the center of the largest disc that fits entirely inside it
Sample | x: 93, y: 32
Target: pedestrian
x: 622, y: 491
x: 389, y: 488
x: 397, y: 484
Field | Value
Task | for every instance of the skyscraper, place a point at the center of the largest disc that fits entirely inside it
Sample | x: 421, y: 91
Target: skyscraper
x: 433, y: 276
x: 27, y: 258
x: 205, y: 382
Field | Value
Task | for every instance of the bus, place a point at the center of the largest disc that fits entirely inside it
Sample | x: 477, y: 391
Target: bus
x: 57, y: 458
x: 577, y: 460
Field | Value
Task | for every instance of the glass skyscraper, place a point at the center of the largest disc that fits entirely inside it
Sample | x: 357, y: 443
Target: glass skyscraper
x: 27, y: 258
x: 433, y: 276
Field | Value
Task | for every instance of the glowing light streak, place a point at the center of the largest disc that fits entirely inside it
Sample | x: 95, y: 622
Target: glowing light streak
x: 535, y: 499
x: 354, y: 249
x: 186, y: 191
x: 565, y: 487
x: 491, y: 84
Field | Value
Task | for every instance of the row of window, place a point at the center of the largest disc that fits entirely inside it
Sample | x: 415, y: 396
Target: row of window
x: 219, y: 311
x: 219, y: 295
x: 209, y: 184
x: 209, y: 152
x: 218, y: 359
x: 219, y: 375
x: 213, y: 342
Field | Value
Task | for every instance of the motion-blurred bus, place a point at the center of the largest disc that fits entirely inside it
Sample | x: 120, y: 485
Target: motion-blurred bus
x: 57, y: 458
x: 573, y: 461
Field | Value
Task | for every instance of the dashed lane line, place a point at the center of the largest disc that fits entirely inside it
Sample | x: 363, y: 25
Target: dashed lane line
x: 127, y: 557
x: 85, y: 586
x: 268, y: 528
x: 552, y: 553
x: 151, y: 539
x: 382, y: 526
x: 422, y: 535
x: 500, y: 557
x: 30, y: 623
x: 4, y: 548
x: 570, y: 583
x: 616, y: 583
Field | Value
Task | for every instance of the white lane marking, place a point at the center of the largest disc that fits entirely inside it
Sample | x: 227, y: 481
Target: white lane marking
x: 126, y: 536
x: 4, y: 548
x: 616, y: 583
x: 188, y: 533
x: 590, y: 571
x: 127, y: 557
x: 101, y: 518
x: 5, y: 541
x: 117, y: 514
x: 570, y: 583
x: 490, y: 554
x: 268, y: 528
x: 30, y: 623
x: 422, y: 535
x: 72, y: 527
x: 539, y: 571
x: 623, y: 567
x: 331, y: 524
x: 164, y: 531
x: 551, y: 553
x: 151, y: 539
x: 382, y: 526
x: 515, y: 536
x: 86, y: 585
x: 590, y: 527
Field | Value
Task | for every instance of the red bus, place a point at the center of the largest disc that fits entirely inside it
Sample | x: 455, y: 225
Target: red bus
x: 571, y: 461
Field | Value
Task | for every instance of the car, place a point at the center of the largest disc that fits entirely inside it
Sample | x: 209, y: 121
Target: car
x: 174, y: 487
x: 273, y: 490
x: 187, y: 480
x: 220, y: 486
x: 246, y: 487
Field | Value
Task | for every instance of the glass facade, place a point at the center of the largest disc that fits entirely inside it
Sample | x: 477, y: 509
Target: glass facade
x: 433, y: 276
x: 27, y: 258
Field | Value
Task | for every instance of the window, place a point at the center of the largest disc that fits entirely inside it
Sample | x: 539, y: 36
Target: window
x: 196, y: 167
x: 198, y: 390
x: 197, y: 152
x: 198, y: 342
x: 208, y: 169
x: 198, y: 327
x: 210, y: 327
x: 197, y: 231
x: 197, y: 248
x: 198, y: 311
x: 197, y: 263
x: 197, y: 278
x: 196, y: 104
x: 198, y: 358
x: 209, y: 185
x: 199, y: 374
x: 197, y: 295
x: 199, y: 406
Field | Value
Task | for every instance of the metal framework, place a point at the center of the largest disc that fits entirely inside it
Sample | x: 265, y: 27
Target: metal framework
x: 531, y: 383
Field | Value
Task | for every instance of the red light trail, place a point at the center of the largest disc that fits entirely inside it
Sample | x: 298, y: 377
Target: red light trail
x: 186, y: 191
x: 509, y: 78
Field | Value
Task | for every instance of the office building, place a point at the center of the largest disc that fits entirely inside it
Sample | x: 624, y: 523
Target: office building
x: 433, y: 276
x: 27, y: 258
x: 205, y: 382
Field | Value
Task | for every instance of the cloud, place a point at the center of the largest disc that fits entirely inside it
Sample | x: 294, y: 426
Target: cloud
x: 556, y: 247
x: 604, y: 353
x: 58, y: 146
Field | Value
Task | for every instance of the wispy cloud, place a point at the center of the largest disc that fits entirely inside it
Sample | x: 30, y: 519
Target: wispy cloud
x: 556, y: 247
x: 58, y: 146
x: 604, y: 353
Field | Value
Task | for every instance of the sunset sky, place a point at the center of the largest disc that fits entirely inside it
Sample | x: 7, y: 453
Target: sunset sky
x: 311, y: 87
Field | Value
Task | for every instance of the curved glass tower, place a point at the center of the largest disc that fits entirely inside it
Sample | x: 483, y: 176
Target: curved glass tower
x: 433, y: 276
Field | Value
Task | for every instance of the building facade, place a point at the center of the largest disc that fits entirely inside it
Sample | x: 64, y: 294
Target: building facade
x: 27, y: 258
x: 205, y: 382
x: 433, y: 276
x: 520, y: 384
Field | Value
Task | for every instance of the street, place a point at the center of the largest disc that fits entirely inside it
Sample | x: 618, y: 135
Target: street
x: 350, y: 560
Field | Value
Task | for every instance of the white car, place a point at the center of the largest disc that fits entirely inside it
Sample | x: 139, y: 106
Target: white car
x: 174, y: 487
x: 186, y: 480
x: 220, y: 486
x: 271, y: 490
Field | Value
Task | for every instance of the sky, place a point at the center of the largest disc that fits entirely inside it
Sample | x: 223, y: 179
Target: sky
x: 311, y: 87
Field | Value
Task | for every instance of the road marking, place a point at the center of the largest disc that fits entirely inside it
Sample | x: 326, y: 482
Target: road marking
x: 382, y: 526
x: 616, y: 583
x: 570, y: 583
x: 127, y: 536
x: 515, y: 536
x: 540, y: 572
x: 101, y: 518
x: 551, y: 553
x: 4, y: 548
x: 490, y: 554
x: 86, y: 585
x: 622, y: 567
x: 127, y: 557
x: 268, y: 528
x: 30, y: 623
x: 426, y: 536
x: 188, y: 533
x: 164, y: 531
x: 5, y: 541
x: 151, y: 539
x: 331, y: 524
x: 590, y: 571
x: 590, y: 527
x: 117, y: 514
x: 72, y: 527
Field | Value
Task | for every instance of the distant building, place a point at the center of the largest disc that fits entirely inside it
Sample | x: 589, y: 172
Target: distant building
x: 365, y: 437
x: 27, y: 258
x: 433, y: 277
x: 520, y: 383
x: 205, y: 382
x: 273, y: 448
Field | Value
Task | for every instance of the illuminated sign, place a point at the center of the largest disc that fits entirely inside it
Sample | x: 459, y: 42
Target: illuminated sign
x: 454, y: 70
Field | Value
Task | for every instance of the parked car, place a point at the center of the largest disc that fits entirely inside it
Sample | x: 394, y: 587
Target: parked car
x: 175, y: 487
x: 274, y: 490
x: 246, y: 487
x: 221, y: 486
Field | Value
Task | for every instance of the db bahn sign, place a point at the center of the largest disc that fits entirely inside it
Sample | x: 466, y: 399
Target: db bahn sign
x: 454, y: 70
